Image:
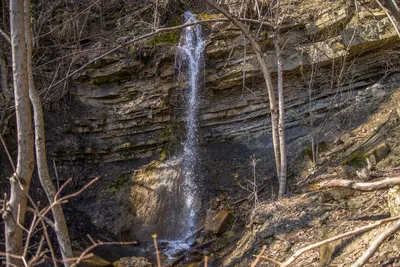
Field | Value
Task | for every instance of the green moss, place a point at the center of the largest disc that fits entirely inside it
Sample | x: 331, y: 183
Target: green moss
x: 355, y: 160
x: 122, y: 180
x: 163, y: 154
x: 168, y: 37
x: 322, y: 147
x: 206, y: 16
x: 175, y: 22
x: 132, y: 49
x: 127, y: 145
x: 99, y: 82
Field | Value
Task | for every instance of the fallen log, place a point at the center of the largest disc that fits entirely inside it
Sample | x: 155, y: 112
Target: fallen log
x: 360, y: 186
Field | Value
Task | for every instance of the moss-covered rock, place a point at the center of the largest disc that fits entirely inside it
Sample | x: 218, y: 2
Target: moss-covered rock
x: 170, y: 38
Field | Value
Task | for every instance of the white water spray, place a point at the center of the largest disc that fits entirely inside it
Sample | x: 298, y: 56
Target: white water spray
x: 191, y: 51
x: 190, y: 60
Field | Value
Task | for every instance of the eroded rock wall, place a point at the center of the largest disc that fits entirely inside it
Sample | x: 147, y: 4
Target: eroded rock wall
x: 131, y: 105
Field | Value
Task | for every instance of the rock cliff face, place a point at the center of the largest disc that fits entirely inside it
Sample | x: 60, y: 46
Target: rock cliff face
x: 128, y: 109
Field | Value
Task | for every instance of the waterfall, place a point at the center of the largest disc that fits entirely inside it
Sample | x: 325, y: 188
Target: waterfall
x: 191, y: 51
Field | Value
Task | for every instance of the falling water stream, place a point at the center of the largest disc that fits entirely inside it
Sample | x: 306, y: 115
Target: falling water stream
x: 190, y: 60
x: 191, y: 53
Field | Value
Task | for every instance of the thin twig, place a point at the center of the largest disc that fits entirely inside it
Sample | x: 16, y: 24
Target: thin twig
x: 7, y: 152
x: 157, y: 251
x: 5, y: 35
x: 85, y: 254
x: 376, y: 244
x: 255, y: 262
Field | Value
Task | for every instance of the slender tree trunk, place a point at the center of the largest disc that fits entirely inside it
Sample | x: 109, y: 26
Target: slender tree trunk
x: 267, y: 77
x: 281, y: 122
x: 60, y: 224
x: 21, y: 180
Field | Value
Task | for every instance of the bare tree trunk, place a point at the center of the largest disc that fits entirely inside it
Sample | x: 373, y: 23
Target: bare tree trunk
x: 21, y: 180
x: 60, y: 225
x: 267, y: 77
x: 281, y: 122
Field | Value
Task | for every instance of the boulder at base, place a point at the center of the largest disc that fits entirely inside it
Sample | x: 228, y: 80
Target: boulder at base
x: 94, y: 261
x: 216, y: 222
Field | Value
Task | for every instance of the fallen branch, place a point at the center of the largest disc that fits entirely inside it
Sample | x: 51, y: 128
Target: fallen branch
x: 301, y: 251
x: 205, y: 244
x: 376, y: 244
x: 370, y: 186
x: 176, y: 261
x: 86, y: 253
x: 255, y: 262
x: 198, y: 231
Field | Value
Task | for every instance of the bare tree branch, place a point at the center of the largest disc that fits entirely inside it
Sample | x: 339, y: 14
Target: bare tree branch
x: 255, y: 262
x: 376, y: 244
x: 5, y: 35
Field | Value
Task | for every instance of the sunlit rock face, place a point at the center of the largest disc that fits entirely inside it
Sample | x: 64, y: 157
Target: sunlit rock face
x: 129, y: 108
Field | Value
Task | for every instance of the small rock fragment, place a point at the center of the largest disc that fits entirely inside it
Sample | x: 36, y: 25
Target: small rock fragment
x: 394, y: 201
x: 132, y: 262
x: 216, y: 222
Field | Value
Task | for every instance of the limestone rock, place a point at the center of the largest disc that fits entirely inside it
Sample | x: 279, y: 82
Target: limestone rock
x: 348, y: 172
x: 337, y: 194
x: 132, y: 262
x: 125, y: 110
x: 94, y: 261
x: 378, y: 153
x: 394, y: 201
x: 381, y: 152
x: 216, y: 222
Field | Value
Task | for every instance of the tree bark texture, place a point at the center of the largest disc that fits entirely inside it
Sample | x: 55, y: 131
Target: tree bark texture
x: 60, y: 225
x: 281, y: 103
x: 21, y: 180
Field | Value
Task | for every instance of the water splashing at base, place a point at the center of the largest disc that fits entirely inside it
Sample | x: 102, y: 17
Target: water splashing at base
x: 190, y: 60
x: 191, y: 51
